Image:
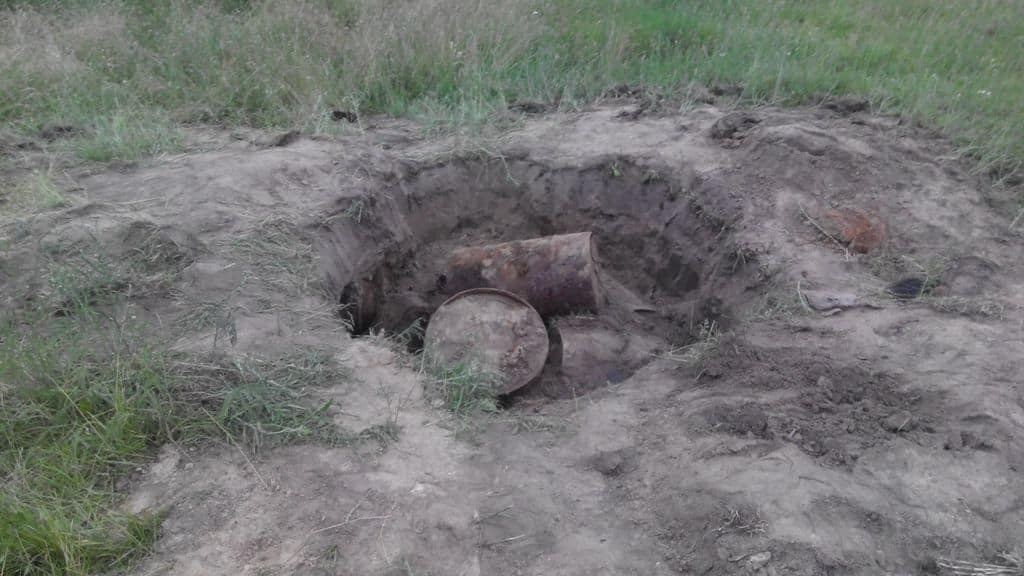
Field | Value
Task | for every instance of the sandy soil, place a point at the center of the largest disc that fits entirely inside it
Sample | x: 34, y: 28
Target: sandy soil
x: 775, y: 412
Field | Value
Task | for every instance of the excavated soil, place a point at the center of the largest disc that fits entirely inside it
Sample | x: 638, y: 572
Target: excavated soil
x: 751, y: 400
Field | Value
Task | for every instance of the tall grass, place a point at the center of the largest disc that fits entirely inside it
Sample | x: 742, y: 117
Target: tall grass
x: 133, y: 70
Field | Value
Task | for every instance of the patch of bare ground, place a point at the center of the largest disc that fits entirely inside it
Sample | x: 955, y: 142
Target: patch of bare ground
x: 748, y: 429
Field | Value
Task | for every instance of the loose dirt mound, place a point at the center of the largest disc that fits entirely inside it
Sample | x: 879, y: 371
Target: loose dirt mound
x: 741, y: 431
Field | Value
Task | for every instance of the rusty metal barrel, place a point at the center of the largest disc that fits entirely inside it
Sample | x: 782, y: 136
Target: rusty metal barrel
x: 555, y: 274
x: 495, y: 329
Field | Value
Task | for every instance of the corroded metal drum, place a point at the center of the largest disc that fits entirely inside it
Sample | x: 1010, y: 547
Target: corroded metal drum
x: 555, y: 274
x: 494, y: 328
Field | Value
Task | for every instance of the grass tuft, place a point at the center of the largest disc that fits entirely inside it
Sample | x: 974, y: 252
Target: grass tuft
x: 465, y: 388
x: 257, y: 403
x: 707, y: 336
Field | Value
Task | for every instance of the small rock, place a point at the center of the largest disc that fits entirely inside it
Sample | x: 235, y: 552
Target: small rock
x: 900, y: 422
x: 759, y: 560
x: 975, y: 442
x: 612, y: 463
x: 189, y: 465
x: 733, y: 124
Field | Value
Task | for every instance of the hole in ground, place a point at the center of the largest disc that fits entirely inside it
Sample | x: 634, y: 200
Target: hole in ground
x: 665, y: 251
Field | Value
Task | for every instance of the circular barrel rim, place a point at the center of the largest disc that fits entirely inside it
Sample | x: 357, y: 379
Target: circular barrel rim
x: 504, y: 389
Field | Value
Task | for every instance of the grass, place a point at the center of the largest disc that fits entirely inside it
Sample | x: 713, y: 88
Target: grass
x: 465, y: 388
x: 88, y: 395
x: 130, y: 73
x: 38, y: 190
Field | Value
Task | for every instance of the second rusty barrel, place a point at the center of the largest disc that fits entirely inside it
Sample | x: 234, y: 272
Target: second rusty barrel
x: 555, y: 274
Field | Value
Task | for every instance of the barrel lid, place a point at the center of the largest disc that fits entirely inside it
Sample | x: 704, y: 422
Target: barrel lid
x: 496, y: 328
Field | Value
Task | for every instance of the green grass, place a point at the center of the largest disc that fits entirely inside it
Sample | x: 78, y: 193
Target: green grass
x: 130, y: 72
x: 464, y: 387
x: 87, y: 397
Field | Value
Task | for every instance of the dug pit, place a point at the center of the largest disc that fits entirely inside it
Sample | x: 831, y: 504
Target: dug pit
x: 814, y: 423
x: 663, y: 249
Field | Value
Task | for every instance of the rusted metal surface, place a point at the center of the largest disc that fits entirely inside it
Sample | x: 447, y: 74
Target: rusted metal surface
x: 556, y: 274
x: 593, y: 352
x: 494, y: 328
x: 588, y: 352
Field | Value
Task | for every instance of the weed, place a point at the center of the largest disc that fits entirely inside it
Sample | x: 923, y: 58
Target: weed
x: 84, y: 279
x: 46, y: 192
x: 355, y: 210
x: 37, y: 191
x: 706, y: 338
x: 384, y: 434
x: 614, y: 170
x: 742, y: 521
x: 652, y: 175
x: 412, y: 335
x: 464, y: 387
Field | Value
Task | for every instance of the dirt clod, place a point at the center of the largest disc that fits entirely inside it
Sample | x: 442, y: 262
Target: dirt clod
x: 733, y: 125
x: 52, y: 132
x: 346, y: 115
x: 858, y: 229
x: 847, y: 104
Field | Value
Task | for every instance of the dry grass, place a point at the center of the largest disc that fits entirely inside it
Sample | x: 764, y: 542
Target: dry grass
x: 39, y: 190
x: 706, y: 336
x: 1014, y: 566
x: 741, y: 521
x: 280, y: 254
